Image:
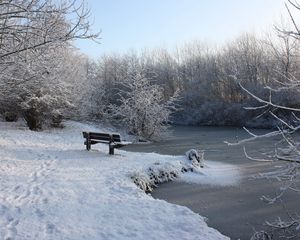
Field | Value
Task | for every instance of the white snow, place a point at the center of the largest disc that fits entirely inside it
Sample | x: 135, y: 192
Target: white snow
x: 52, y: 188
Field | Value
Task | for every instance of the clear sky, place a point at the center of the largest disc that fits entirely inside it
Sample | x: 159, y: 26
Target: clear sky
x: 138, y: 24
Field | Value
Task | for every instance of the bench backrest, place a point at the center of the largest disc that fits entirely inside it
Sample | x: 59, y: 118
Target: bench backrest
x: 114, y: 137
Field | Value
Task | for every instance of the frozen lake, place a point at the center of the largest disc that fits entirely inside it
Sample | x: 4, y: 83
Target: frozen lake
x: 211, y: 139
x: 235, y: 211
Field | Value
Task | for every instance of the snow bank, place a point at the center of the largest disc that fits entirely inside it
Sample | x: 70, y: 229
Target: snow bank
x: 159, y: 173
x: 52, y: 188
x: 214, y: 173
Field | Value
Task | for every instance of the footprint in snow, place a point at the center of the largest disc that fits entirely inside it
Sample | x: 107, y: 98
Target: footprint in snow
x: 50, y: 228
x: 33, y: 177
x: 35, y: 190
x: 16, y: 187
x: 3, y: 209
x: 39, y: 213
x: 11, y: 229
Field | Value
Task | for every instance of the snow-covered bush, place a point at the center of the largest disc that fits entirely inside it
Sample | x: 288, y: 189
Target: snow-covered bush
x: 11, y: 116
x: 43, y: 110
x: 149, y: 178
x: 159, y: 173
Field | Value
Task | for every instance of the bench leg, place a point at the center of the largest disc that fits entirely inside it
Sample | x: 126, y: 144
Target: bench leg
x: 88, y: 144
x: 111, y: 150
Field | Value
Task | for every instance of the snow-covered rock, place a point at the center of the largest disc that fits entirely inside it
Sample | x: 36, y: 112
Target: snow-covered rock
x: 197, y: 157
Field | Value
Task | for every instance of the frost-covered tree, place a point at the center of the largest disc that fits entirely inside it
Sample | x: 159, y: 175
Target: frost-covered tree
x: 59, y: 95
x: 93, y: 100
x: 142, y: 108
x: 35, y: 42
x: 52, y: 89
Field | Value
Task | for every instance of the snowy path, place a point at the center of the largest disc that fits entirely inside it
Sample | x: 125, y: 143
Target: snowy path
x: 24, y: 192
x: 51, y: 188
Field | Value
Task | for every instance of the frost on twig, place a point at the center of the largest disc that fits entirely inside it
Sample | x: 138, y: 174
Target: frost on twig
x: 257, y: 159
x: 276, y: 101
x: 261, y: 235
x: 286, y: 228
x: 253, y: 137
x: 269, y: 101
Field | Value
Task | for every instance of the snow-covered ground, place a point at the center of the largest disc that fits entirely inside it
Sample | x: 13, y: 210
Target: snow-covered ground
x: 52, y: 188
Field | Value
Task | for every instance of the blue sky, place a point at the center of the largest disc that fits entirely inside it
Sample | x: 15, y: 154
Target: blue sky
x: 138, y: 24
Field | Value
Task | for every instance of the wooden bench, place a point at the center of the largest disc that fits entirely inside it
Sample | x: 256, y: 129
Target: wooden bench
x: 112, y: 139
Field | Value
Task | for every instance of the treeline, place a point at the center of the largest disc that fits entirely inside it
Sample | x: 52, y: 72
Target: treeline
x: 44, y: 79
x: 206, y: 80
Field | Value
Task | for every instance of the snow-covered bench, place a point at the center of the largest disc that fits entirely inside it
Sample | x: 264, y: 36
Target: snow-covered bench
x: 112, y: 139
